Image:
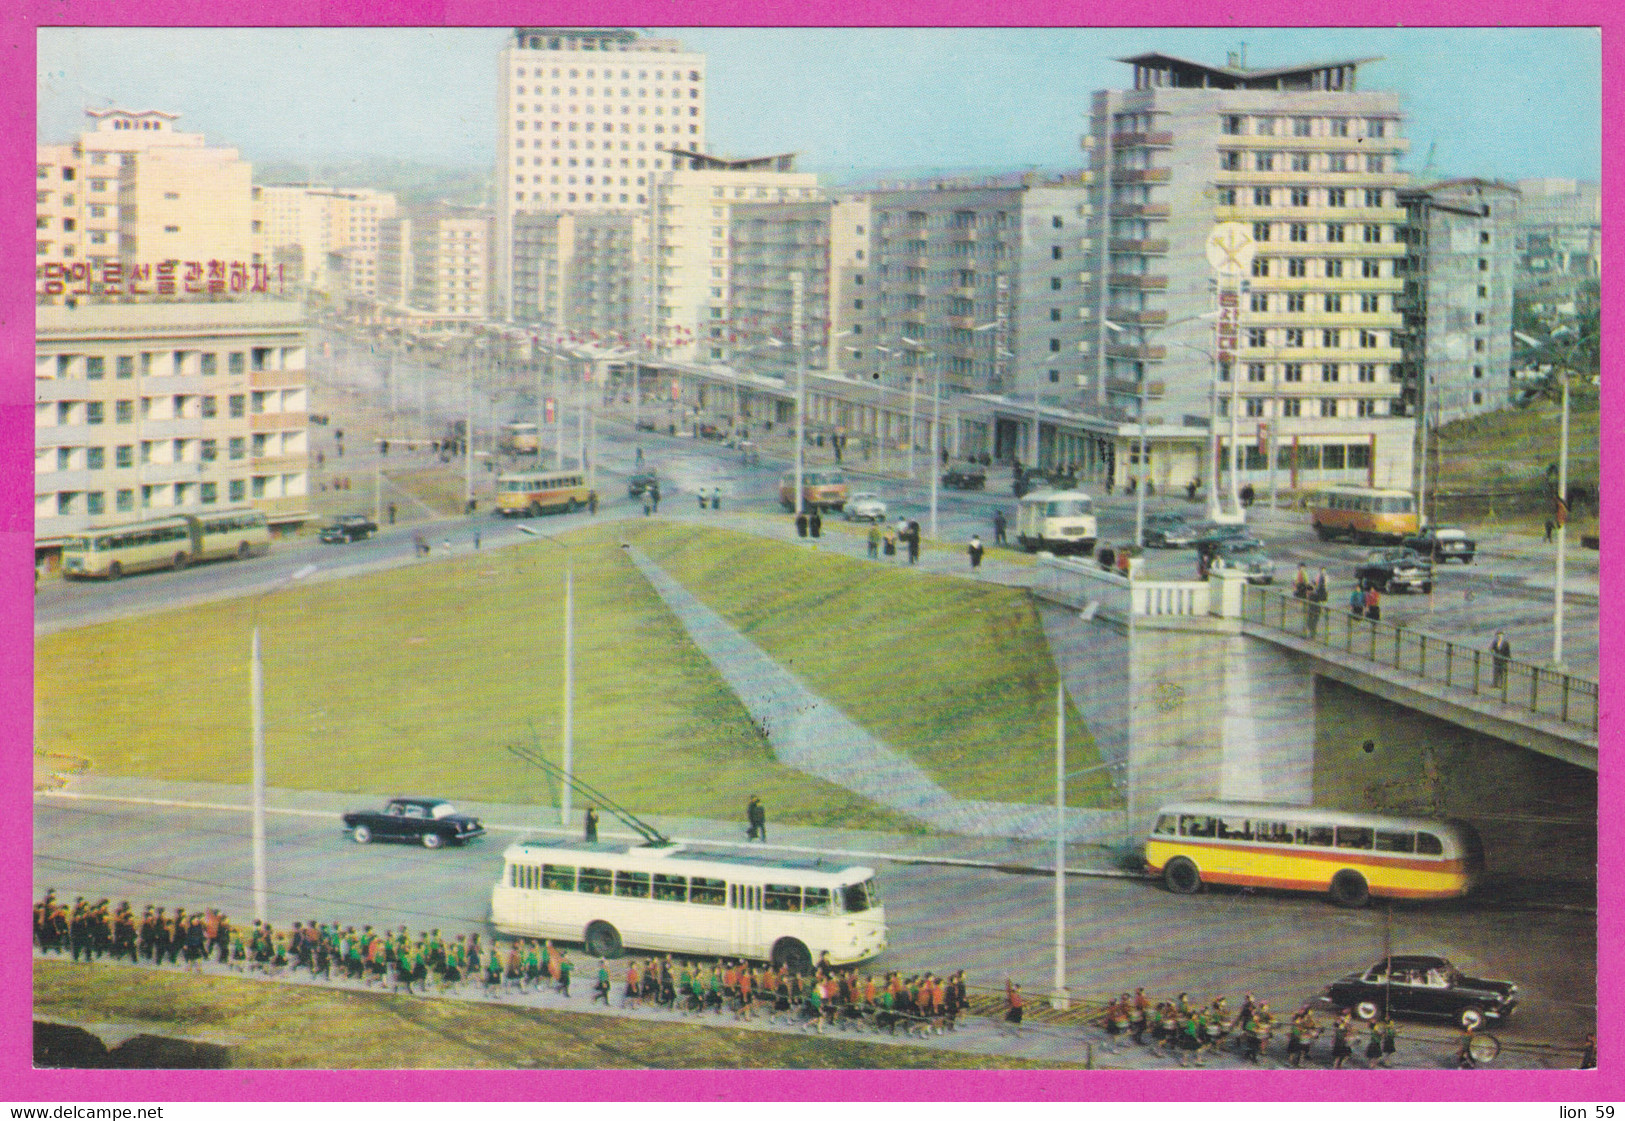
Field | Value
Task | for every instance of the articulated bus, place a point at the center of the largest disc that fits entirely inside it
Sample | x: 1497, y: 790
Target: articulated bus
x: 172, y: 542
x: 675, y: 899
x: 820, y: 490
x: 532, y: 493
x: 1349, y: 856
x: 1365, y: 514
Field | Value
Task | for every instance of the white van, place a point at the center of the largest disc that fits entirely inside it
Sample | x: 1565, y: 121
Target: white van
x: 1060, y: 521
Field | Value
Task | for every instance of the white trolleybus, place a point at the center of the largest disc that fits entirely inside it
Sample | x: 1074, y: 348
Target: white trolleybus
x: 669, y: 897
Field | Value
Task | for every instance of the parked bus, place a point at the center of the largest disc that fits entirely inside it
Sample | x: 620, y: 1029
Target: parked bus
x: 1363, y: 514
x: 1060, y: 521
x: 820, y: 490
x: 519, y: 438
x: 674, y: 899
x: 1349, y: 856
x: 532, y: 493
x: 173, y: 542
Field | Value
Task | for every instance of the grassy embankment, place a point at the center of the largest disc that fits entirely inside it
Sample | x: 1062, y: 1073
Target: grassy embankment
x: 280, y: 1027
x: 1492, y: 469
x: 414, y: 679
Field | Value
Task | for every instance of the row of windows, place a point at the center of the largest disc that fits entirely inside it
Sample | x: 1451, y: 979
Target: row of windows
x: 635, y: 885
x: 94, y: 457
x: 609, y: 75
x: 626, y: 111
x: 1235, y: 124
x: 1294, y: 833
x: 1370, y: 232
x: 1335, y: 197
x: 1367, y: 303
x: 1330, y: 337
x: 555, y: 126
x: 94, y: 367
x: 1371, y: 268
x: 609, y: 91
x: 1323, y: 406
x: 1371, y: 163
x: 1365, y: 372
x: 95, y: 501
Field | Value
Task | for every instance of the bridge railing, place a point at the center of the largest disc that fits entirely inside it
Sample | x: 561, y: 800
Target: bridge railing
x: 1073, y: 581
x: 1470, y: 669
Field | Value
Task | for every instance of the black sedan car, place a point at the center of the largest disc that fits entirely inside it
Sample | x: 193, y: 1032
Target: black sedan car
x: 1443, y: 543
x: 1395, y: 570
x: 640, y: 482
x: 1210, y: 535
x: 346, y: 528
x: 1168, y: 531
x: 964, y: 478
x: 1420, y: 985
x: 430, y: 822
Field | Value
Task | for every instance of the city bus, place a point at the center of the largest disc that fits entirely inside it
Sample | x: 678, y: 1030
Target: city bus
x: 1060, y: 521
x: 1364, y: 514
x: 519, y: 438
x: 670, y: 898
x: 1351, y: 857
x: 820, y: 490
x: 532, y: 493
x: 173, y: 542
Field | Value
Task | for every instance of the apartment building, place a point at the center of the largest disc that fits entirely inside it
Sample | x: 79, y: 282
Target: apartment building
x: 585, y: 118
x: 329, y: 235
x: 1459, y: 278
x: 1309, y: 163
x: 143, y: 409
x: 829, y: 242
x: 132, y: 201
x: 435, y: 265
x: 585, y: 273
x: 692, y: 213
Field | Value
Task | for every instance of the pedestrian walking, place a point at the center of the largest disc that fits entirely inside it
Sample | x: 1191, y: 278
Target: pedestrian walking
x: 648, y: 504
x: 874, y: 540
x: 888, y: 542
x: 999, y: 524
x: 1014, y: 1005
x: 701, y: 497
x: 476, y: 539
x: 756, y: 818
x: 1373, y: 604
x: 815, y: 523
x: 1464, y: 1051
x: 1550, y: 526
x: 590, y: 830
x: 391, y: 513
x: 654, y: 497
x: 1300, y: 583
x: 801, y: 524
x: 975, y: 551
x: 1500, y: 651
x: 913, y: 541
x: 716, y: 498
x: 592, y: 502
x: 1357, y: 601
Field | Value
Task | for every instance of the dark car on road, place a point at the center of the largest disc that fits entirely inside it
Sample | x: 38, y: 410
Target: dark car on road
x: 1442, y: 543
x: 1421, y: 985
x: 346, y: 528
x: 1243, y: 555
x: 642, y: 481
x: 430, y: 822
x: 1395, y: 570
x: 1210, y: 535
x: 964, y: 478
x: 1168, y: 531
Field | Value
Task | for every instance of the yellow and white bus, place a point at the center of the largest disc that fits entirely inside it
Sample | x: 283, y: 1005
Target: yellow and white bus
x: 519, y: 438
x: 1349, y: 856
x: 820, y: 490
x: 173, y: 542
x: 533, y: 493
x: 1364, y: 514
x: 675, y: 899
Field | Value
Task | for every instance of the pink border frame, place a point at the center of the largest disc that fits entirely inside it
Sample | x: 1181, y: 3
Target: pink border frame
x: 16, y: 539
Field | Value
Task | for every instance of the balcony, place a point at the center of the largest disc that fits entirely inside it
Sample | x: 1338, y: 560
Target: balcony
x: 1138, y: 353
x: 278, y: 422
x: 1140, y: 210
x: 1140, y: 281
x: 278, y: 379
x: 1141, y: 174
x: 1130, y: 388
x: 1149, y: 245
x: 1160, y: 139
x: 1147, y: 318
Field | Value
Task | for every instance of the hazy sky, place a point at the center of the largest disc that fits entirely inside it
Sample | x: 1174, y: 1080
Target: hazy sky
x: 1498, y: 103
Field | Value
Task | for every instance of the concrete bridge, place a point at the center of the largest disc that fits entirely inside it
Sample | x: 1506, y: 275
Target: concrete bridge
x: 1206, y: 688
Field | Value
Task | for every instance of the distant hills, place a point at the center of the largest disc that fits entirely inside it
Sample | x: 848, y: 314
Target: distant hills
x: 413, y: 184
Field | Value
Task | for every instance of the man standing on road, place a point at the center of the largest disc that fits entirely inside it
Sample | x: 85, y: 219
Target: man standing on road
x: 716, y: 498
x: 998, y: 528
x: 1500, y: 651
x: 975, y: 551
x: 913, y: 541
x: 591, y: 829
x: 756, y: 818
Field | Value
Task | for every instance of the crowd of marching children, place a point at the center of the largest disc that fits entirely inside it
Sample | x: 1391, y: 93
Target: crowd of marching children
x: 1193, y: 1032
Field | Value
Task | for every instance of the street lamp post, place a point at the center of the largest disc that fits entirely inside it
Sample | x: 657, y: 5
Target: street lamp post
x: 567, y: 729
x: 798, y: 341
x: 256, y: 674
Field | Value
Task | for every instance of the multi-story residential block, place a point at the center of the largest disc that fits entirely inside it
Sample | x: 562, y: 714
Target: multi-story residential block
x: 330, y: 236
x: 585, y: 117
x: 829, y: 243
x: 436, y: 265
x: 132, y: 201
x: 585, y: 273
x: 692, y: 208
x: 1308, y: 163
x: 1559, y: 236
x: 984, y: 280
x: 143, y: 409
x: 1459, y: 277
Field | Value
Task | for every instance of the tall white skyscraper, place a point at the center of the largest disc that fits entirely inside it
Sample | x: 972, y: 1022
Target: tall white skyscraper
x: 586, y: 116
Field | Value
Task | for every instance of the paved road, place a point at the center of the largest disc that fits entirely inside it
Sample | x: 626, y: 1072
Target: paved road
x: 980, y: 905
